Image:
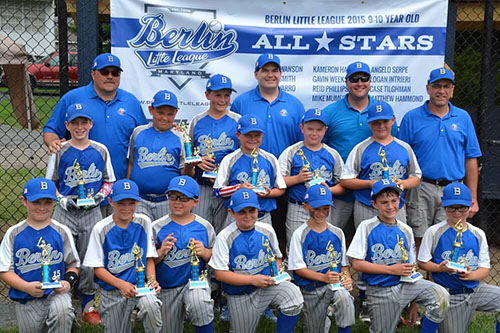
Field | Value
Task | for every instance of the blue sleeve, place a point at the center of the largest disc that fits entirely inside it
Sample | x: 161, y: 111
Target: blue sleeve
x: 472, y: 149
x: 394, y: 130
x: 404, y: 131
x: 55, y: 124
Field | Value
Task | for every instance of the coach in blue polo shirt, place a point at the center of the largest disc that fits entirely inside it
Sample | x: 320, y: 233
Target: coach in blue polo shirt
x: 445, y: 142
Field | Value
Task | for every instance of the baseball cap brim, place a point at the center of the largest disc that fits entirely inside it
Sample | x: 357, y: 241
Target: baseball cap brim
x: 237, y: 208
x: 397, y: 188
x: 183, y: 190
x: 320, y: 203
x: 451, y: 202
x: 78, y: 115
x: 248, y: 130
x: 123, y: 196
x: 384, y: 117
x: 35, y: 197
x: 165, y: 103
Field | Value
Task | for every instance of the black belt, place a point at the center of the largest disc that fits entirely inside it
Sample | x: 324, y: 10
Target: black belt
x: 154, y: 197
x: 295, y: 202
x: 24, y: 301
x: 312, y: 286
x: 440, y: 182
x: 460, y: 291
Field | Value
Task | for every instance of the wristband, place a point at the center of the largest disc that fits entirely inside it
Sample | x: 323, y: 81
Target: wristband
x: 71, y: 277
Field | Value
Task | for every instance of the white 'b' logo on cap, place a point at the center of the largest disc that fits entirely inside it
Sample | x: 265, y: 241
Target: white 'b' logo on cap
x: 378, y: 108
x: 78, y: 107
x: 317, y: 112
x: 44, y: 185
x: 456, y: 191
x: 253, y: 121
x: 385, y: 182
x: 126, y: 186
x: 111, y: 59
x: 269, y: 56
x: 167, y: 96
x: 182, y: 182
x: 246, y: 196
x: 358, y: 65
x: 223, y: 79
x: 322, y: 191
x: 442, y: 71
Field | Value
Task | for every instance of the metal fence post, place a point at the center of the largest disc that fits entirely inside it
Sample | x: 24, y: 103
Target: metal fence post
x: 87, y: 25
x: 62, y: 22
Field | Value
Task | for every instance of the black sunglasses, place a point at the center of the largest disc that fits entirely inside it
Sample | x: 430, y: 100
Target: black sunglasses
x: 114, y: 72
x: 355, y: 79
x: 181, y: 198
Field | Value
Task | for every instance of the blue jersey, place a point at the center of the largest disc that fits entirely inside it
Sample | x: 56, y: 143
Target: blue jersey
x: 437, y: 245
x: 156, y: 158
x: 236, y: 168
x: 377, y: 242
x: 175, y: 268
x: 94, y: 162
x: 326, y: 161
x: 243, y: 252
x: 113, y: 122
x: 365, y: 163
x: 282, y: 118
x: 222, y: 133
x: 308, y: 250
x: 111, y: 246
x: 441, y: 144
x: 20, y: 254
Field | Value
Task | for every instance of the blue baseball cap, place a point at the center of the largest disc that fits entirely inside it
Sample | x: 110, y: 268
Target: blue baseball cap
x: 185, y: 185
x: 314, y: 114
x: 382, y: 184
x: 106, y: 60
x: 318, y: 196
x: 243, y: 198
x: 265, y: 59
x: 124, y: 189
x: 77, y: 110
x: 379, y: 110
x: 39, y: 188
x: 441, y: 73
x: 456, y: 194
x: 219, y: 82
x: 249, y: 123
x: 164, y: 97
x: 357, y: 67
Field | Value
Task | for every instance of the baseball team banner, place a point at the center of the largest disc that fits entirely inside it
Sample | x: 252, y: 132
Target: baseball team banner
x: 178, y: 44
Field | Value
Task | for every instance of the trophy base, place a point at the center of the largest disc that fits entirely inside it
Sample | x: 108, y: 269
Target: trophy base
x: 315, y: 181
x: 192, y: 159
x: 199, y: 284
x: 85, y: 202
x: 414, y: 277
x: 258, y: 189
x: 335, y: 286
x: 144, y: 291
x: 281, y: 277
x: 209, y: 174
x: 51, y: 285
x: 456, y: 266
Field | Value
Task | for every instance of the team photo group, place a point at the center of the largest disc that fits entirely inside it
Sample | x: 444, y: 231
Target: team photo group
x: 244, y: 210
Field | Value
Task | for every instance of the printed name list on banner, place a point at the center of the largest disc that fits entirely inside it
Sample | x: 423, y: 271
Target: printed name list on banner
x: 179, y: 45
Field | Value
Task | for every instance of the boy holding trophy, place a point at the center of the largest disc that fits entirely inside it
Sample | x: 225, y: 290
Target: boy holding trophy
x: 457, y: 254
x: 38, y: 260
x: 119, y: 246
x: 184, y: 244
x: 246, y: 259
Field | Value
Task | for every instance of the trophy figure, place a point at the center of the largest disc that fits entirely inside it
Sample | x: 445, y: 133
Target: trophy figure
x: 210, y: 153
x: 414, y: 276
x: 197, y: 281
x: 82, y: 200
x: 317, y: 179
x: 278, y: 275
x: 190, y: 157
x: 46, y: 283
x: 142, y: 287
x: 334, y: 267
x: 455, y: 261
x: 385, y: 164
x: 258, y: 188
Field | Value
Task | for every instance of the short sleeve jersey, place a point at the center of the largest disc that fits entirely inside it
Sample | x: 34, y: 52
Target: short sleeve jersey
x: 377, y: 242
x: 94, y: 162
x: 156, y: 158
x: 437, y: 245
x: 326, y: 161
x: 111, y: 246
x: 175, y: 268
x: 19, y: 253
x: 308, y: 249
x: 243, y: 252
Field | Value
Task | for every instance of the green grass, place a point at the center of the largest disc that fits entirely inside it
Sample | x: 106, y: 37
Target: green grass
x: 44, y: 106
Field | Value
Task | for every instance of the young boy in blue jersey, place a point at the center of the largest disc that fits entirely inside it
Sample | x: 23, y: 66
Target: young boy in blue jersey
x: 302, y: 162
x: 81, y: 159
x: 156, y: 155
x: 112, y: 253
x: 235, y: 170
x: 24, y: 248
x: 466, y: 293
x: 375, y: 251
x: 312, y: 263
x: 174, y: 235
x: 239, y: 259
x: 215, y: 127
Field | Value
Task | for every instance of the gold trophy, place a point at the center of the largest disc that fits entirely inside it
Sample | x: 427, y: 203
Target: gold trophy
x: 197, y: 281
x: 190, y: 157
x: 258, y: 188
x: 278, y: 275
x: 334, y: 267
x: 455, y: 261
x: 210, y: 153
x: 317, y: 179
x: 46, y: 283
x: 82, y: 199
x: 415, y: 275
x: 142, y: 288
x: 385, y: 164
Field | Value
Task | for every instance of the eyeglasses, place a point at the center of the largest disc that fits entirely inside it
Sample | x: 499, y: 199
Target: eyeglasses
x: 461, y: 209
x: 114, y: 72
x: 355, y: 79
x: 181, y: 198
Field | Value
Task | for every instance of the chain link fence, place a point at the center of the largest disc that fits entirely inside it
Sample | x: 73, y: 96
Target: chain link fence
x: 40, y: 62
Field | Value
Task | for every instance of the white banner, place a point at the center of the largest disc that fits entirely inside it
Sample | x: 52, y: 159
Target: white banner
x: 178, y: 44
